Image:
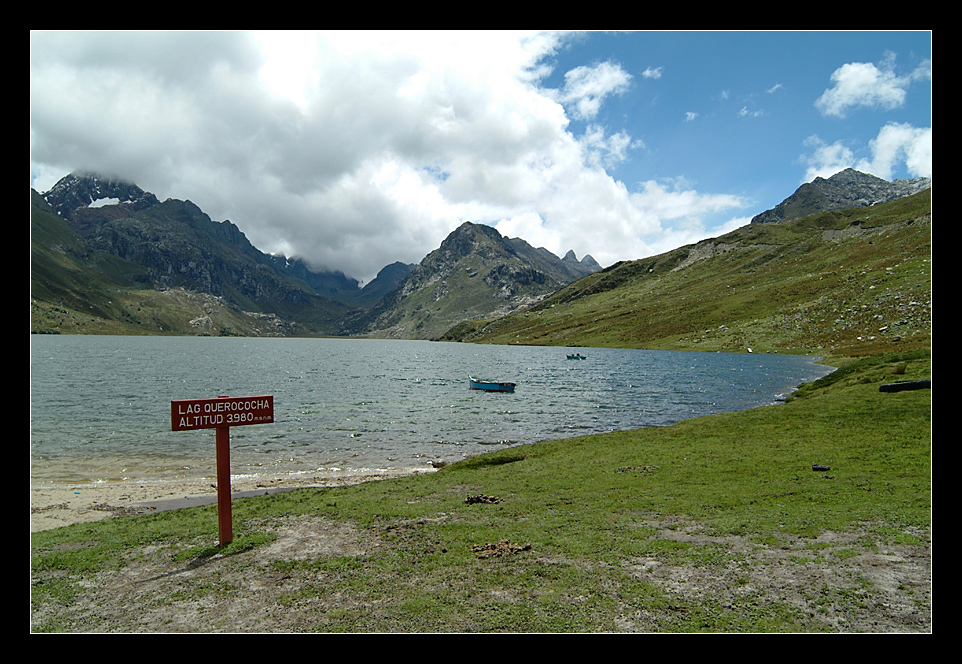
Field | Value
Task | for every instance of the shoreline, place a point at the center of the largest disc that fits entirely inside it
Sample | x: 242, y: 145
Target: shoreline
x: 54, y: 505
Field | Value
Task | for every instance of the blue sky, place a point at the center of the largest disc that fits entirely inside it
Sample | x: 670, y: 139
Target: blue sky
x: 353, y: 150
x: 736, y: 112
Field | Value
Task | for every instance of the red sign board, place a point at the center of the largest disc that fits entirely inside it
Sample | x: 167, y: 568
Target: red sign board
x: 189, y: 414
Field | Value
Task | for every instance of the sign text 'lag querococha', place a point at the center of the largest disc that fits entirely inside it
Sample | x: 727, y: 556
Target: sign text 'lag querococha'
x: 189, y: 414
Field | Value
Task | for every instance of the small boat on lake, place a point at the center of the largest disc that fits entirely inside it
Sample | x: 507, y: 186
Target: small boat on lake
x: 577, y: 356
x: 490, y: 386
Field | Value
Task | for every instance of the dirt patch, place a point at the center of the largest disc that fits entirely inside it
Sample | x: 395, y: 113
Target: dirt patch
x: 498, y: 549
x: 303, y: 538
x: 841, y: 581
x: 56, y: 505
x: 154, y: 591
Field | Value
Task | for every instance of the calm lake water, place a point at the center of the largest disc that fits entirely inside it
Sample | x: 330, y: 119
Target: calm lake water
x: 100, y: 406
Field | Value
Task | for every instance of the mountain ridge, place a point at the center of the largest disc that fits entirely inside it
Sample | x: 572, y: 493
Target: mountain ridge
x: 172, y: 244
x: 796, y: 285
x: 848, y: 188
x: 166, y: 245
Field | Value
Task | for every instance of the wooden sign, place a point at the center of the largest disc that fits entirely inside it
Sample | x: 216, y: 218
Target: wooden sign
x: 221, y: 413
x: 189, y: 414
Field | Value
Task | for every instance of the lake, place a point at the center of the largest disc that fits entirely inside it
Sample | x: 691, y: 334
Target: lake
x: 100, y: 405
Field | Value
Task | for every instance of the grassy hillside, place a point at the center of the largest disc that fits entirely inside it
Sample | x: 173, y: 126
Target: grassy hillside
x: 852, y: 282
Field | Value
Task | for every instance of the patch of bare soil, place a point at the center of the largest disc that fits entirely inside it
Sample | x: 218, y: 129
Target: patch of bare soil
x: 837, y: 581
x: 233, y: 592
x: 498, y: 549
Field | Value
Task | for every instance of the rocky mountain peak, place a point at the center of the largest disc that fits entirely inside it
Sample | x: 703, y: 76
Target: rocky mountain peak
x: 82, y: 190
x: 467, y: 239
x: 587, y: 264
x: 475, y: 273
x: 846, y: 189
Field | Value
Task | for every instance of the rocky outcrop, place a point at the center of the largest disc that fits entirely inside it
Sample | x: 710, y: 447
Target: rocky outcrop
x: 586, y: 265
x: 846, y: 189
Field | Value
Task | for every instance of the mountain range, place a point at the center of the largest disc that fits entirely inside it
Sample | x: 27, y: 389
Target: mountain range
x: 108, y: 257
x: 842, y: 261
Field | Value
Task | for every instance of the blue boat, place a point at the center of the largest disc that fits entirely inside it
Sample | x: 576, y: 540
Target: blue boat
x: 577, y: 356
x: 490, y: 386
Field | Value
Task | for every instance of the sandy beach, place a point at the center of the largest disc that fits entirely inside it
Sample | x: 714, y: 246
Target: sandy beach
x: 56, y: 505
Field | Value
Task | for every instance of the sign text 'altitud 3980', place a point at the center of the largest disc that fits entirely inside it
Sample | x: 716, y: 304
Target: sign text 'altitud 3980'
x: 222, y: 413
x: 189, y: 414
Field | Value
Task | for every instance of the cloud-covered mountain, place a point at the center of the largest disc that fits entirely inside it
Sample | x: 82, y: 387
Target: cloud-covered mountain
x: 173, y: 245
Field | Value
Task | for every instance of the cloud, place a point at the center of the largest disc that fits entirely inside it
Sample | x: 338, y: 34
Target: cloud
x: 353, y: 150
x: 660, y: 217
x: 896, y: 145
x: 586, y: 88
x: 826, y: 160
x: 863, y: 84
x: 603, y: 151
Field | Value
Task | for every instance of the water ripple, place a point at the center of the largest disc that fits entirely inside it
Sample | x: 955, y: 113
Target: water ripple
x: 367, y: 403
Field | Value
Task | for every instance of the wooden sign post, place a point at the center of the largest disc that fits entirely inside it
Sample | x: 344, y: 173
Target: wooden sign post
x: 221, y: 414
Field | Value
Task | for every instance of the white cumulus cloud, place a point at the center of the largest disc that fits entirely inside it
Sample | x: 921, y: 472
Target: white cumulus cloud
x: 897, y: 144
x: 586, y: 88
x: 355, y: 149
x: 858, y: 84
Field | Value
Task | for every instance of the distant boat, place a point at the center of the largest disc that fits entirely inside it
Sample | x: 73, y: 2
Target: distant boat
x: 577, y: 356
x: 490, y: 386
